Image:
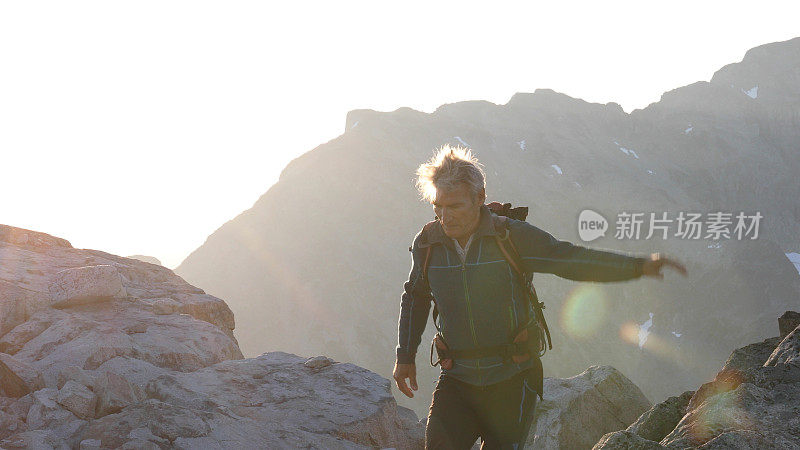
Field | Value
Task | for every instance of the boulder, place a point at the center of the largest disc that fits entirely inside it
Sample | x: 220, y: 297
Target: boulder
x: 746, y: 408
x: 753, y: 355
x: 19, y: 408
x: 12, y: 306
x: 627, y: 440
x: 46, y: 413
x: 56, y: 376
x: 10, y: 424
x: 413, y: 427
x: 318, y: 362
x: 279, y: 401
x: 34, y: 439
x: 78, y: 399
x: 18, y: 378
x: 115, y: 392
x: 576, y: 412
x: 87, y: 284
x: 788, y: 322
x: 17, y: 337
x: 788, y: 351
x: 659, y: 420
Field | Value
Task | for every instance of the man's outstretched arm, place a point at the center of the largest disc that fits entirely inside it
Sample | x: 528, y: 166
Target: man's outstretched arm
x: 541, y: 252
x: 415, y: 304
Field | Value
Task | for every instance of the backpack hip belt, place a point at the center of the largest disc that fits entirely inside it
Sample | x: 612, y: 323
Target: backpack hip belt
x: 528, y: 341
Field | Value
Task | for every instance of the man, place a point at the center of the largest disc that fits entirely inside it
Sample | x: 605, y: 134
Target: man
x: 482, y: 306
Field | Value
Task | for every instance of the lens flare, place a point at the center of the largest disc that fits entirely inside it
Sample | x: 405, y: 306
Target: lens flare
x: 722, y: 405
x: 629, y: 332
x: 645, y: 338
x: 584, y: 312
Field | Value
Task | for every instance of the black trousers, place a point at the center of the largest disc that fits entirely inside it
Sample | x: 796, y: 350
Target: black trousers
x: 500, y: 414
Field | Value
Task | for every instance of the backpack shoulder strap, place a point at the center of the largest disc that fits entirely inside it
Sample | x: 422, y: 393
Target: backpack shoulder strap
x: 426, y: 230
x: 511, y: 254
x: 426, y: 262
x: 510, y: 251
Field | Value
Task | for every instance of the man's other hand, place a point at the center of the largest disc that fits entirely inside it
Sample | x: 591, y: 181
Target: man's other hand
x: 652, y: 267
x: 403, y: 371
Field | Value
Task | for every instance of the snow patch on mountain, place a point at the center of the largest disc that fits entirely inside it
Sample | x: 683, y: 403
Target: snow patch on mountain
x: 795, y: 259
x: 644, y: 330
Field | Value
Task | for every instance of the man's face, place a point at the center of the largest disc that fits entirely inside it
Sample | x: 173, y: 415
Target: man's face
x: 458, y: 210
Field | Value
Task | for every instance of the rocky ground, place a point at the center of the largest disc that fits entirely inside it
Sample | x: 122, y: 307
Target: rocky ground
x: 101, y: 351
x: 752, y: 403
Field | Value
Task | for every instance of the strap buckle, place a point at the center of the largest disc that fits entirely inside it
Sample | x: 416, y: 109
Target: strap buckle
x: 505, y: 235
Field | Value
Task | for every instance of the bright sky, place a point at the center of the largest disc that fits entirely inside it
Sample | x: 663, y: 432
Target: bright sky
x: 141, y: 127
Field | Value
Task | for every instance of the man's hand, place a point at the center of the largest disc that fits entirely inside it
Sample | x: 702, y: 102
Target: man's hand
x: 652, y: 267
x: 403, y: 371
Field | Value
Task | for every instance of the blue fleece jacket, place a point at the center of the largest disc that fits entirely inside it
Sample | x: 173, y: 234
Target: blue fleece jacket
x: 480, y: 302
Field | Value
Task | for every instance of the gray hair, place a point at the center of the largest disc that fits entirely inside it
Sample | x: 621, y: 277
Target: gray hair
x: 449, y: 167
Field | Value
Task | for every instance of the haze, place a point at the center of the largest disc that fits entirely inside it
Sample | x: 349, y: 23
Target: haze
x: 141, y: 127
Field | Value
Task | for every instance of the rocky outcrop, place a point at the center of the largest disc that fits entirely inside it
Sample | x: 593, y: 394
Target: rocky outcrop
x: 577, y: 411
x: 109, y: 352
x: 754, y: 402
x: 275, y: 400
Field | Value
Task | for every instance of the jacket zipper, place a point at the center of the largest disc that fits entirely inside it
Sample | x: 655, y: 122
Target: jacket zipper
x: 469, y: 313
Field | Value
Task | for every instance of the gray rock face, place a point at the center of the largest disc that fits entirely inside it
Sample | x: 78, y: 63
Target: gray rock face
x: 787, y: 352
x: 626, y: 440
x: 746, y: 406
x: 264, y: 399
x: 578, y: 411
x: 751, y: 356
x: 659, y: 420
x: 788, y: 322
x: 110, y: 352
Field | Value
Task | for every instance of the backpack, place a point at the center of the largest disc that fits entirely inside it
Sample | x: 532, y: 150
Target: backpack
x: 531, y: 337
